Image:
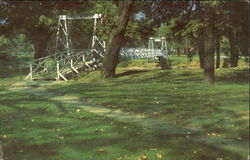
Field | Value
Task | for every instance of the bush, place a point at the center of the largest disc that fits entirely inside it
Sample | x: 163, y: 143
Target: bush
x: 226, y: 62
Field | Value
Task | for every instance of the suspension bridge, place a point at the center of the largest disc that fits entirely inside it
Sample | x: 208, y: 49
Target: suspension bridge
x: 65, y: 60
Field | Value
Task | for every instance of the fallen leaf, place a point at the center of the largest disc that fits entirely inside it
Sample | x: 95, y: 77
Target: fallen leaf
x: 213, y: 134
x: 181, y: 116
x: 156, y: 113
x: 144, y: 157
x: 159, y: 155
x: 101, y: 150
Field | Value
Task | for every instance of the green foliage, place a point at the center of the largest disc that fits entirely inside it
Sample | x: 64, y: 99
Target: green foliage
x: 224, y: 43
x: 18, y: 45
x: 3, y: 47
x: 193, y: 27
x: 163, y: 31
x: 48, y: 21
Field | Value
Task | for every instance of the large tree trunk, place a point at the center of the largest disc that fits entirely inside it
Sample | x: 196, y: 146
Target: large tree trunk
x: 234, y: 55
x: 178, y: 51
x: 111, y: 57
x: 217, y: 52
x: 201, y: 50
x: 40, y: 49
x: 39, y: 39
x: 209, y: 56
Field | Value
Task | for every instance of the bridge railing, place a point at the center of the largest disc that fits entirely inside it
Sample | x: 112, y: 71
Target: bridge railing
x: 47, y: 64
x: 88, y: 60
x: 140, y: 53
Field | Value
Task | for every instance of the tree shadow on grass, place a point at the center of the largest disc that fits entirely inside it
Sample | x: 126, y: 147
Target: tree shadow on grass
x: 130, y: 72
x: 236, y: 77
x: 81, y: 138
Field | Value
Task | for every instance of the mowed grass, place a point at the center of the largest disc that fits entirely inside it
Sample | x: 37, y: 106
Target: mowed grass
x: 178, y: 96
x: 36, y: 128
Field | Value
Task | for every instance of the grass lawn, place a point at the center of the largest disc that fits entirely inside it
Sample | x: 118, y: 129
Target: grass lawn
x: 35, y: 128
x: 178, y: 96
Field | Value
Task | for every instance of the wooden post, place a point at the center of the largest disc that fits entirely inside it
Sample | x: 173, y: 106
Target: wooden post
x: 58, y: 71
x: 31, y: 74
x: 104, y: 46
x: 20, y: 71
x: 83, y: 58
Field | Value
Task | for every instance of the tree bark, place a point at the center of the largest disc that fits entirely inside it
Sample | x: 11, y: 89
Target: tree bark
x: 234, y: 55
x: 39, y: 39
x: 178, y: 51
x: 201, y: 50
x: 217, y: 52
x: 209, y: 56
x: 116, y: 37
x: 40, y: 49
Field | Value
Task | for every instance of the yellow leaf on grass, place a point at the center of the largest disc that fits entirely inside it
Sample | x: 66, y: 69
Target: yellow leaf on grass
x: 159, y: 155
x: 101, y: 150
x: 144, y: 157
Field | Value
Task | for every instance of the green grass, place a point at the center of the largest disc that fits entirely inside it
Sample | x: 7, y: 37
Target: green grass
x: 177, y: 96
x: 35, y: 128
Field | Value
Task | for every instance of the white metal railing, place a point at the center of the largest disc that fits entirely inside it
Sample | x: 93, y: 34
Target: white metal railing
x: 140, y: 53
x: 47, y: 65
x: 89, y: 60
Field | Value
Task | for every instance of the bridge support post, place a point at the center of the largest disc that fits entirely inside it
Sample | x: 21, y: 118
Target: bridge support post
x: 58, y: 71
x: 31, y: 70
x: 72, y: 67
x: 83, y: 58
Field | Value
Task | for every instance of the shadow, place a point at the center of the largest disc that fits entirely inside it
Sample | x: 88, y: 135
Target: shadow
x: 235, y: 76
x: 130, y: 73
x: 81, y: 134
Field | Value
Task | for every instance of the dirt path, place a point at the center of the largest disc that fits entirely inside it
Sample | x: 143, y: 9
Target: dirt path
x: 38, y: 88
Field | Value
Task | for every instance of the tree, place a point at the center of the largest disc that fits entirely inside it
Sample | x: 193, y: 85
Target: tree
x: 235, y: 25
x: 209, y: 55
x: 37, y: 20
x: 217, y: 48
x: 116, y: 38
